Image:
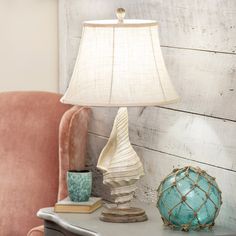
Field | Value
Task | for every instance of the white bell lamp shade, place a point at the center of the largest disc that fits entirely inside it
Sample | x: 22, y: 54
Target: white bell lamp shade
x: 120, y: 64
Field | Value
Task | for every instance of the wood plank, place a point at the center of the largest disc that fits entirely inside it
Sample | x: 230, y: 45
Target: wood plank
x: 157, y: 165
x: 194, y: 137
x: 206, y: 82
x: 72, y: 51
x: 199, y: 24
x: 212, y: 76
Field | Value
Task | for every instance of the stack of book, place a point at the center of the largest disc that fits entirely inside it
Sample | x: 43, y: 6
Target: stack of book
x: 67, y: 206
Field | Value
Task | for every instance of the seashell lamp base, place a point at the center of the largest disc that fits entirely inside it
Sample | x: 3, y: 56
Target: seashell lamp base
x: 129, y: 215
x: 121, y: 169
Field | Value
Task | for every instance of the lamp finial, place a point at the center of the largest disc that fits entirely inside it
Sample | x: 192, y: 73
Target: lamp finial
x: 120, y: 13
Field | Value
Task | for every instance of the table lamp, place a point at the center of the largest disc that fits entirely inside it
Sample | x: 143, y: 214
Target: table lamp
x: 120, y: 64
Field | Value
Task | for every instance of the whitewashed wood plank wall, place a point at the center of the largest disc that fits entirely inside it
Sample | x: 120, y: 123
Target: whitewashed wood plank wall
x: 198, y: 41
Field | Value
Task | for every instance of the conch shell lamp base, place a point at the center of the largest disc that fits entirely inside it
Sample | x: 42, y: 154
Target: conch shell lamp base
x: 121, y: 169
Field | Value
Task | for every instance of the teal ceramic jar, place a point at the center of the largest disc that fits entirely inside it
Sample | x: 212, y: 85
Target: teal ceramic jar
x: 79, y: 184
x: 189, y: 199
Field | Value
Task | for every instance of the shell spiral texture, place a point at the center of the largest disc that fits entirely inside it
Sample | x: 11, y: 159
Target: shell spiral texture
x: 119, y: 162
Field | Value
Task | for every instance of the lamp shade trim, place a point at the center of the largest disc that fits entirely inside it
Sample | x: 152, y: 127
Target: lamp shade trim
x: 124, y: 24
x: 120, y: 104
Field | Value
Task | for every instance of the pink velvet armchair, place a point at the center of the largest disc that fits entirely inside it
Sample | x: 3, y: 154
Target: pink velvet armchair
x: 40, y: 139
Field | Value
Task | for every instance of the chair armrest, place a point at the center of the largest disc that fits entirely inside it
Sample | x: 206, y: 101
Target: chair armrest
x: 36, y: 231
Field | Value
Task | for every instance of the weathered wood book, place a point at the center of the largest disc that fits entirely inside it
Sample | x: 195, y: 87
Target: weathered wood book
x: 67, y: 206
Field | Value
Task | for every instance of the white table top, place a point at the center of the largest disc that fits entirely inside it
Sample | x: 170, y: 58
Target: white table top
x: 90, y: 225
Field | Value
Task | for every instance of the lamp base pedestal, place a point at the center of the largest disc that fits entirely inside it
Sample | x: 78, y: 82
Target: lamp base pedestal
x: 129, y: 215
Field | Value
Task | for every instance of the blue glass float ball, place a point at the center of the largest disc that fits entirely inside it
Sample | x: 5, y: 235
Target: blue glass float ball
x: 189, y: 199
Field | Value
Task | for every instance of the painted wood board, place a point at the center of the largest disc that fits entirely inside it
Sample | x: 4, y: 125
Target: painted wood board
x: 195, y: 137
x: 205, y: 81
x: 157, y: 165
x: 202, y: 24
x: 212, y: 75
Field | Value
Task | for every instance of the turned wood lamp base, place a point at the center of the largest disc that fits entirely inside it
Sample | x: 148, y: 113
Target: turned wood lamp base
x: 129, y: 215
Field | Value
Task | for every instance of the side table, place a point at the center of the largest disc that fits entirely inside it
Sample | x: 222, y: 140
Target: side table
x: 71, y: 224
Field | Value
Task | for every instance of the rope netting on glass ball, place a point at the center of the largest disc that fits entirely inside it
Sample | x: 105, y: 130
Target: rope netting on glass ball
x: 189, y: 199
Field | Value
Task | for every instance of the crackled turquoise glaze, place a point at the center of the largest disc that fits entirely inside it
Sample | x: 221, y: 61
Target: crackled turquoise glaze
x: 189, y: 199
x: 79, y: 185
